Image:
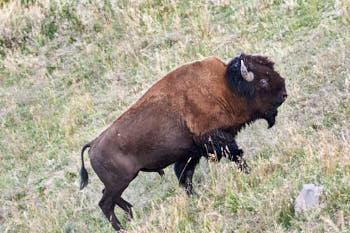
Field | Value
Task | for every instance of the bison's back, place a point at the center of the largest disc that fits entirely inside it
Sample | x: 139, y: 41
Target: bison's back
x: 193, y: 94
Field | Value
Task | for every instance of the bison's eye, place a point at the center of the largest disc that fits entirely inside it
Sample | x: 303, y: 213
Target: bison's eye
x: 264, y: 83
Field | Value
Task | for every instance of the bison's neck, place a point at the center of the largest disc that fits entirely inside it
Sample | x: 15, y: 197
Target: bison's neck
x: 235, y: 129
x: 241, y: 111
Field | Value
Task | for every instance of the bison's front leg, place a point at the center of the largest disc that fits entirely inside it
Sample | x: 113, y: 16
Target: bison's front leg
x: 235, y: 154
x: 161, y: 172
x: 184, y: 170
x: 222, y: 143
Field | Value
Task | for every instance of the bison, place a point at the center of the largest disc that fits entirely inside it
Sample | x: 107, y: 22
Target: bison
x: 193, y: 111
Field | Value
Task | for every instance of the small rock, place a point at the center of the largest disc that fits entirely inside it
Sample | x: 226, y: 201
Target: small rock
x: 308, y: 198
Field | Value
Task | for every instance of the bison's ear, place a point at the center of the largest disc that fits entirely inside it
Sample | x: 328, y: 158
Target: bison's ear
x: 237, y: 83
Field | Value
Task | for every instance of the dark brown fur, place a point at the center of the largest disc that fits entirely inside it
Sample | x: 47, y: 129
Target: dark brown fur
x: 194, y: 110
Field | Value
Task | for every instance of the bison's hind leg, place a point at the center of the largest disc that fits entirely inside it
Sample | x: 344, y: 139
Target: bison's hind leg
x: 184, y: 170
x: 107, y: 204
x: 126, y: 206
x: 116, y: 179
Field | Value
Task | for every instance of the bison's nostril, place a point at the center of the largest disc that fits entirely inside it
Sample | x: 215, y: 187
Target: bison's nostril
x: 285, y: 96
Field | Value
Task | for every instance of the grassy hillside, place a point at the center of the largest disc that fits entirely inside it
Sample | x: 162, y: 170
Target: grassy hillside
x: 69, y: 68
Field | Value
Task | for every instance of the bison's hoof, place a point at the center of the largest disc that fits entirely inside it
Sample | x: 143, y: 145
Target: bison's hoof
x: 192, y: 193
x: 245, y: 168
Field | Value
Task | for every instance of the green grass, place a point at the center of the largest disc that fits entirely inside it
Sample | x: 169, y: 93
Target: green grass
x: 69, y: 68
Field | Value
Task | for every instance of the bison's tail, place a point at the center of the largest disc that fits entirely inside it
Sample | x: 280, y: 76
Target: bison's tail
x: 83, y: 173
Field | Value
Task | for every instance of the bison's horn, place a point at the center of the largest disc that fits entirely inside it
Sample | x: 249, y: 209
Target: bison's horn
x: 248, y: 76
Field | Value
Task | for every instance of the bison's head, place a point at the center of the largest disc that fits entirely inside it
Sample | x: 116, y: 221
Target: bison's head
x: 253, y: 77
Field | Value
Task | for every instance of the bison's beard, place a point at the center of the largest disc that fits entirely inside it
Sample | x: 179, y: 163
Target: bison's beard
x: 270, y: 117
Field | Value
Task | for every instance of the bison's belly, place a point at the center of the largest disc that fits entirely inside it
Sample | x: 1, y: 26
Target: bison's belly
x: 162, y: 158
x: 158, y: 149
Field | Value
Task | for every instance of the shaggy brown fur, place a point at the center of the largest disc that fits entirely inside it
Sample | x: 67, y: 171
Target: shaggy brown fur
x: 194, y: 110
